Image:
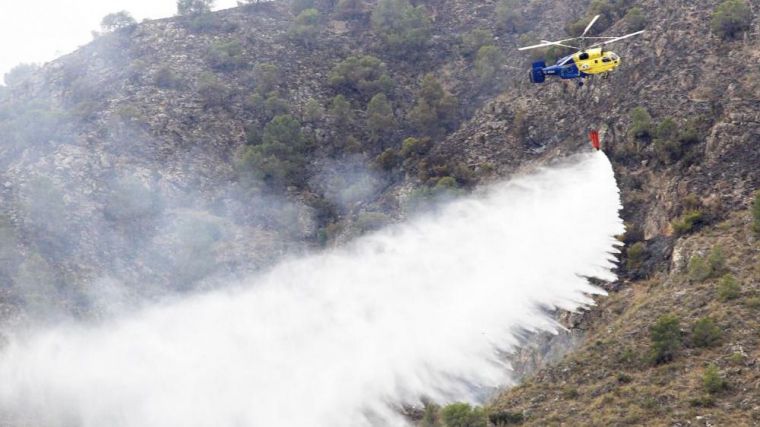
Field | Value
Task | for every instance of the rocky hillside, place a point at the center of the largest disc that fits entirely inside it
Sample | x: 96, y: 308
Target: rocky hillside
x: 168, y: 153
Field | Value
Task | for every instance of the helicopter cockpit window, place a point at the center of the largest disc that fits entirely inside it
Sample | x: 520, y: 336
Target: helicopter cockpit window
x: 605, y: 59
x: 583, y: 56
x: 613, y: 56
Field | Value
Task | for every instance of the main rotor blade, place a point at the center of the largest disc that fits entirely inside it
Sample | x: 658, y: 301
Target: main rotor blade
x: 591, y: 24
x: 566, y: 60
x: 618, y: 38
x: 545, y: 43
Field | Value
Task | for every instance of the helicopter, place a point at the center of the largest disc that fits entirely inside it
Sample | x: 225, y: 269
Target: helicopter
x: 586, y: 62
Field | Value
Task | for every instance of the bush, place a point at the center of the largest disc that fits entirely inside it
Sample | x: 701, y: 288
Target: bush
x: 636, y: 254
x: 463, y: 415
x: 504, y: 418
x: 713, y: 381
x: 312, y: 111
x: 212, y: 91
x: 266, y: 78
x: 166, y: 79
x: 705, y: 333
x: 666, y: 338
x: 728, y: 288
x: 435, y: 112
x: 370, y: 221
x: 510, y: 18
x: 226, y: 56
x: 488, y: 66
x: 687, y: 222
x: 388, y: 159
x: 701, y: 269
x: 380, y: 120
x: 475, y: 39
x: 194, y: 7
x: 404, y: 28
x: 306, y: 27
x: 347, y: 9
x: 20, y: 73
x: 641, y: 124
x: 731, y: 18
x: 279, y: 159
x: 635, y: 19
x: 117, y: 21
x: 756, y: 213
x: 298, y: 6
x: 340, y: 111
x: 364, y: 75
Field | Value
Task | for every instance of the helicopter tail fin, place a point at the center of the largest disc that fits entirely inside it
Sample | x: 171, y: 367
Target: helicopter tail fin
x: 537, y: 72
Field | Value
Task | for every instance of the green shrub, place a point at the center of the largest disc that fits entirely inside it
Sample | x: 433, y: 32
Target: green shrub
x: 370, y: 221
x: 635, y: 19
x: 488, y: 66
x: 641, y: 124
x: 312, y: 111
x: 510, y: 18
x: 666, y: 338
x: 636, y: 254
x: 705, y: 333
x: 753, y: 303
x: 431, y: 416
x: 728, y: 288
x: 713, y: 381
x: 701, y: 269
x: 348, y: 9
x: 405, y: 29
x: 388, y: 159
x: 266, y: 78
x: 226, y: 55
x: 306, y: 27
x: 463, y: 415
x: 194, y: 7
x: 364, y: 75
x: 731, y: 18
x: 415, y: 146
x: 117, y: 21
x: 298, y: 6
x: 756, y: 213
x: 212, y: 91
x: 435, y: 111
x: 380, y: 119
x: 166, y: 79
x: 279, y: 158
x: 340, y: 111
x: 687, y: 222
x: 475, y: 39
x: 505, y: 418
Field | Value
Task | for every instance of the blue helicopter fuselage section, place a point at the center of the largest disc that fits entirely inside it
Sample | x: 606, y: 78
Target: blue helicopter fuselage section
x: 567, y: 71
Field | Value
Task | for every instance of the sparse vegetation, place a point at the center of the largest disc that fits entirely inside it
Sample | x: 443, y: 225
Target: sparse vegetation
x: 117, y: 21
x: 362, y: 75
x: 713, y: 381
x: 641, y: 124
x: 380, y: 119
x: 728, y: 288
x: 404, y: 28
x: 688, y: 222
x: 705, y: 333
x: 731, y: 18
x: 635, y: 19
x: 476, y: 39
x: 194, y: 7
x: 435, y: 111
x: 666, y: 338
x: 756, y: 213
x: 306, y: 27
x: 463, y: 415
x: 701, y: 268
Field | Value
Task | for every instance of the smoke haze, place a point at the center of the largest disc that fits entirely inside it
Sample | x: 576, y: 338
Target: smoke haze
x: 424, y: 308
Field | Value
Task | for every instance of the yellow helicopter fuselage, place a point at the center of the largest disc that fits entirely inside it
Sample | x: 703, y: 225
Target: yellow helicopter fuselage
x: 596, y: 61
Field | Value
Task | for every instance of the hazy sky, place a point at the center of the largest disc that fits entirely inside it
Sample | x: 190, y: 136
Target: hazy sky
x: 41, y: 30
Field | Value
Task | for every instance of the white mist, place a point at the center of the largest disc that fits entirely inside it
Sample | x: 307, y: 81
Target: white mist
x: 335, y: 339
